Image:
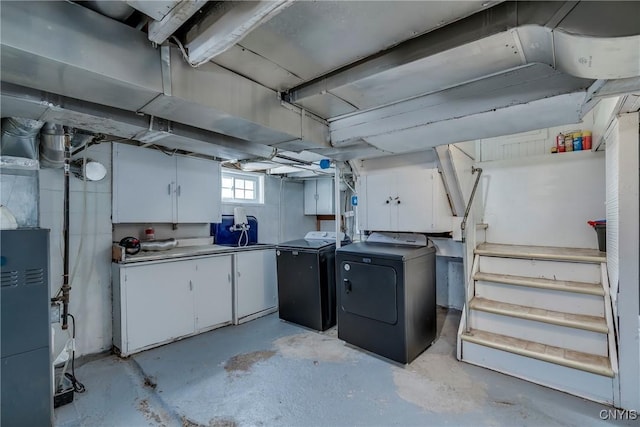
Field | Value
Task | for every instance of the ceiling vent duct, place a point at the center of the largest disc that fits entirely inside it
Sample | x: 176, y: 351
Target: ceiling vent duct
x: 20, y: 137
x: 52, y: 146
x: 81, y: 137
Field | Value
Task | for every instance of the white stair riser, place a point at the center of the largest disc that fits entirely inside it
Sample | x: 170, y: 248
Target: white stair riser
x: 548, y: 299
x: 557, y: 270
x: 580, y: 383
x: 540, y: 332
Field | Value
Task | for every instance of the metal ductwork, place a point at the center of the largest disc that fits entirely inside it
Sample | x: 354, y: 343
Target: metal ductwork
x: 118, y: 10
x: 125, y: 124
x: 20, y: 137
x: 52, y: 146
x: 513, y: 67
x: 19, y: 162
x: 77, y: 53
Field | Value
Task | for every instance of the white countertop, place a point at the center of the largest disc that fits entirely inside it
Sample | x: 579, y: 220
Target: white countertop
x: 189, y: 251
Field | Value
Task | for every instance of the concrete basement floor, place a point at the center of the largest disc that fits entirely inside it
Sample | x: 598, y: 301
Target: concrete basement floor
x: 272, y: 373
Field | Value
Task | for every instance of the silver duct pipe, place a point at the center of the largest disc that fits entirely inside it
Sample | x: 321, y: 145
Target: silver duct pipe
x: 118, y: 10
x: 81, y: 137
x: 52, y: 146
x: 20, y: 137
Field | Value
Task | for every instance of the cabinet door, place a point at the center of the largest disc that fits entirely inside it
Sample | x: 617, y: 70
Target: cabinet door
x: 256, y: 281
x: 143, y: 185
x: 325, y: 200
x: 378, y: 199
x: 416, y: 204
x: 212, y: 292
x: 310, y: 196
x: 198, y: 190
x: 159, y: 303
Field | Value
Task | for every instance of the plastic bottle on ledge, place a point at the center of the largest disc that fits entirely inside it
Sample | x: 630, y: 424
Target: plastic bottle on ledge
x: 586, y: 140
x: 149, y: 233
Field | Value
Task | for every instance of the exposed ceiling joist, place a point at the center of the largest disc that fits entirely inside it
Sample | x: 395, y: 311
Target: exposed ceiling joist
x: 515, y: 87
x: 161, y: 30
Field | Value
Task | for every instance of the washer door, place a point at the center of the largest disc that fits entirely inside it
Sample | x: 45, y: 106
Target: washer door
x: 369, y: 290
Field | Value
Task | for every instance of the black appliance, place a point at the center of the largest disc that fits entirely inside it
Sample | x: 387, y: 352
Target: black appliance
x: 387, y: 295
x: 26, y: 356
x: 306, y: 280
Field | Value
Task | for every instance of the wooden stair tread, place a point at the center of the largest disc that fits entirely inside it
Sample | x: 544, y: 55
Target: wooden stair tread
x: 578, y: 321
x: 549, y: 253
x: 595, y: 364
x: 536, y: 282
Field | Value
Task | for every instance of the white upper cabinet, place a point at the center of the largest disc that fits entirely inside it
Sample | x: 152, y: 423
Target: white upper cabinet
x: 410, y: 200
x: 150, y: 186
x: 318, y: 197
x: 143, y: 185
x: 198, y: 190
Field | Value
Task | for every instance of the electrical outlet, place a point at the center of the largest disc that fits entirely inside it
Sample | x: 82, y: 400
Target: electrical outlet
x: 55, y: 313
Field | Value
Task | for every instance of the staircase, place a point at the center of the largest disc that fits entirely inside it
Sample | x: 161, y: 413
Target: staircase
x: 542, y: 314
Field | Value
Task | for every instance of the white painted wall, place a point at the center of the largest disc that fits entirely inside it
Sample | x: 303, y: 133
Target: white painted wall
x: 533, y: 143
x: 91, y: 284
x: 623, y: 212
x: 544, y: 200
x: 281, y: 218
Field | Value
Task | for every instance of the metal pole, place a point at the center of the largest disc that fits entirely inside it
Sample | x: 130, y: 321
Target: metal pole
x: 463, y: 225
x: 336, y: 194
x: 65, y: 277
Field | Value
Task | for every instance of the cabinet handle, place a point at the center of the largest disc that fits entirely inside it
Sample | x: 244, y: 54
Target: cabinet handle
x: 169, y: 189
x: 179, y: 187
x: 229, y: 277
x: 190, y: 285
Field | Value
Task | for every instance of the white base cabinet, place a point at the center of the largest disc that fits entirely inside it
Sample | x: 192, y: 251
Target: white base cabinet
x: 256, y: 284
x: 159, y: 302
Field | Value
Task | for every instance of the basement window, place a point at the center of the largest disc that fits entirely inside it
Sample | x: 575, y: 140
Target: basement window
x: 242, y: 187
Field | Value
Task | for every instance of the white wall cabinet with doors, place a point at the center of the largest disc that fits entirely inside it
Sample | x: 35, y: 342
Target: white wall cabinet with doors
x: 319, y: 197
x: 411, y: 200
x: 256, y: 284
x: 159, y: 302
x: 150, y: 186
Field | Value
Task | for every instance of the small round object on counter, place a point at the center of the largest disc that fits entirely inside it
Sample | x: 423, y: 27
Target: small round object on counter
x: 131, y: 245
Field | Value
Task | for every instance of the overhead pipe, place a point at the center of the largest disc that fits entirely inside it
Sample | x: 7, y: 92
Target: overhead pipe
x: 66, y: 287
x: 52, y: 146
x: 20, y: 137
